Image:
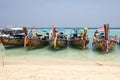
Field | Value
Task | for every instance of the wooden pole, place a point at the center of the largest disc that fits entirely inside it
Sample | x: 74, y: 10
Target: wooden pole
x: 106, y: 28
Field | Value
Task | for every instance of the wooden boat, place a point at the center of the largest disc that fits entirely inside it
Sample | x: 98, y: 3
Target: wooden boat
x: 61, y: 41
x: 12, y: 37
x: 33, y: 40
x: 102, y: 41
x: 79, y: 40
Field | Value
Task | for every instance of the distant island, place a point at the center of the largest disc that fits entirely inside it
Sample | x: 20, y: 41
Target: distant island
x: 64, y: 27
x: 74, y: 27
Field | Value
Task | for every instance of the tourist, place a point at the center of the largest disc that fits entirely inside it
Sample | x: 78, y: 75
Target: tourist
x: 116, y: 39
x: 34, y: 36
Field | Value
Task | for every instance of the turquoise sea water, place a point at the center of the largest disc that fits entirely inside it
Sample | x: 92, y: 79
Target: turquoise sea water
x: 69, y: 52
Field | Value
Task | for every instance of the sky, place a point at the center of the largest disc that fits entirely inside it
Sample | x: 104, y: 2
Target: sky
x: 61, y: 13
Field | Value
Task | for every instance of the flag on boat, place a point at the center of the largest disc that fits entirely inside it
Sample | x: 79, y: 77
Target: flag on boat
x: 100, y: 29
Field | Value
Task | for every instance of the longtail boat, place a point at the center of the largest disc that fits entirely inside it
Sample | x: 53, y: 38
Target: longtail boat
x: 58, y: 41
x: 79, y: 39
x: 33, y: 39
x: 12, y: 37
x: 102, y: 40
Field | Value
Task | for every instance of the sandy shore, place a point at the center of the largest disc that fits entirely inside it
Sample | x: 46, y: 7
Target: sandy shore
x: 57, y: 69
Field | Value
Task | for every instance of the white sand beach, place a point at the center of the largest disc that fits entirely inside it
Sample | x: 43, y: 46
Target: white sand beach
x: 58, y: 69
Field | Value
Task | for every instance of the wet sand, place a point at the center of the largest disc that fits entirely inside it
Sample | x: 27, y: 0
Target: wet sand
x: 58, y: 69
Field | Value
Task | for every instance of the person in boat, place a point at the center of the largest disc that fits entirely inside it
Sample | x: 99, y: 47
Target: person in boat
x: 11, y: 33
x: 46, y: 36
x: 34, y: 36
x: 75, y: 34
x: 102, y: 37
x: 81, y: 36
x: 51, y: 34
x: 62, y: 36
x: 30, y: 33
x: 27, y: 37
x: 84, y: 37
x: 55, y: 38
x: 116, y: 39
x: 94, y: 39
x: 95, y: 33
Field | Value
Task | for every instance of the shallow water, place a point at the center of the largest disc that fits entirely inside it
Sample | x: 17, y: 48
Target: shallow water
x: 91, y: 53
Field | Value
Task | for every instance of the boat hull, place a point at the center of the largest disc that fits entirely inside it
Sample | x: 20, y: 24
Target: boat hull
x: 78, y: 42
x: 102, y: 45
x: 11, y: 41
x: 61, y: 43
x: 37, y: 43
